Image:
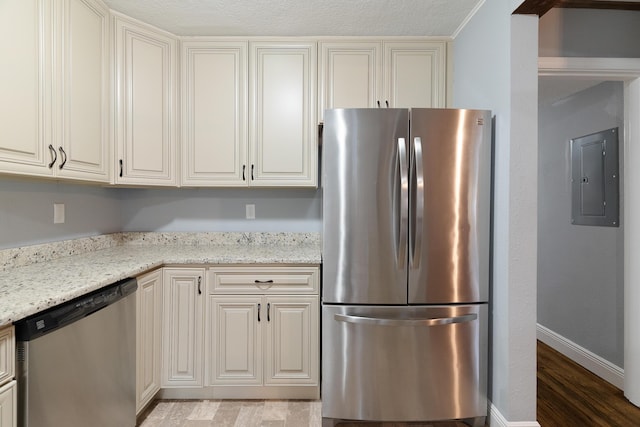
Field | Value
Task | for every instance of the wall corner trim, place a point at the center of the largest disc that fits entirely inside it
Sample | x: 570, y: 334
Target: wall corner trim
x: 583, y: 357
x: 496, y: 419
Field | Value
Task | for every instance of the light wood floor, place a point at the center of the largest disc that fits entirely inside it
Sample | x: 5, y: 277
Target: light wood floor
x: 570, y: 395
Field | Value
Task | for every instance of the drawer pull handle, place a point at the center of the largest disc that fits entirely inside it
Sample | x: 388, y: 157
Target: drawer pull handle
x: 263, y: 281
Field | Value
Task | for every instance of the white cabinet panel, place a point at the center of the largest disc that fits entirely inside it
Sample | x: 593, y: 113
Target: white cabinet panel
x: 9, y: 405
x: 7, y: 354
x: 182, y: 327
x: 214, y: 138
x: 350, y: 75
x: 83, y: 98
x: 146, y: 99
x: 292, y: 341
x: 149, y: 336
x: 236, y: 340
x: 415, y: 74
x: 25, y: 85
x: 282, y: 131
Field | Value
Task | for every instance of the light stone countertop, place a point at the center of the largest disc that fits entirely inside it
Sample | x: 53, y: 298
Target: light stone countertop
x: 29, y: 289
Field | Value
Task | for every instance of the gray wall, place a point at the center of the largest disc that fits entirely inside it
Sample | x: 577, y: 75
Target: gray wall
x: 590, y: 33
x: 495, y: 67
x: 26, y: 211
x: 296, y: 210
x: 580, y: 268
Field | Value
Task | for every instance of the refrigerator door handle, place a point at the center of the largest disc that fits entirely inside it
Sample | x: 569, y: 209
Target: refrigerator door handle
x: 405, y: 322
x: 416, y: 252
x: 404, y: 201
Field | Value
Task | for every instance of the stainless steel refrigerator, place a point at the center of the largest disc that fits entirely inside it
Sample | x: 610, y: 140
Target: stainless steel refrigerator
x: 406, y: 218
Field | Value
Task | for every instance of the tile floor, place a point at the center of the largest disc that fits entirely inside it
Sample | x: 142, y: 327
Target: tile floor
x: 249, y: 413
x: 233, y: 413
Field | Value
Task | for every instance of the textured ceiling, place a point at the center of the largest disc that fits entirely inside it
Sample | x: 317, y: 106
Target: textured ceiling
x: 301, y: 17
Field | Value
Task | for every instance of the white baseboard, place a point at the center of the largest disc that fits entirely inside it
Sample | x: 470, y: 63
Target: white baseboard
x: 583, y: 357
x: 496, y: 419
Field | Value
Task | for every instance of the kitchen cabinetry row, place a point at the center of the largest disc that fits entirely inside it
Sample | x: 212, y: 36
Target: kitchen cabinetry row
x: 228, y: 332
x: 8, y: 398
x: 98, y: 96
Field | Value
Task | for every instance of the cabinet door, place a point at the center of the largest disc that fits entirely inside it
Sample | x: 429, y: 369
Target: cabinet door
x: 182, y: 327
x: 145, y: 104
x: 82, y: 101
x: 282, y: 130
x: 7, y: 354
x: 149, y: 335
x: 350, y: 75
x: 25, y: 122
x: 292, y: 350
x: 235, y: 325
x: 415, y: 74
x: 214, y: 111
x: 8, y: 405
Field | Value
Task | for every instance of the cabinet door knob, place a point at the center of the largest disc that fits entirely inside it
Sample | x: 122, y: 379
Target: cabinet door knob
x: 54, y: 156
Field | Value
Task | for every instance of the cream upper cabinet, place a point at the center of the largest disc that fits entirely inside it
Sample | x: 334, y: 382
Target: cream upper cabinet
x: 356, y: 73
x: 54, y: 111
x: 148, y: 337
x: 350, y: 75
x: 145, y: 104
x: 81, y: 101
x: 415, y: 74
x: 214, y: 113
x: 282, y: 131
x: 25, y: 85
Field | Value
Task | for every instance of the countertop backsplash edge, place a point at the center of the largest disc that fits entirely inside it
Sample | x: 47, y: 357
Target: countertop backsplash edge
x: 34, y: 254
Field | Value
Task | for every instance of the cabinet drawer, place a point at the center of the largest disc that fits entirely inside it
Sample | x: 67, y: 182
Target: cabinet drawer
x: 7, y: 354
x: 264, y: 280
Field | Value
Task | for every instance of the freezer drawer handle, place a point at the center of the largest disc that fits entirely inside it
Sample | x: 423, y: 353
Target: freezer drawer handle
x: 405, y: 322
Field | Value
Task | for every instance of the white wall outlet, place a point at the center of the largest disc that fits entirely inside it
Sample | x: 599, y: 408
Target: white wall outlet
x: 251, y: 211
x: 58, y: 213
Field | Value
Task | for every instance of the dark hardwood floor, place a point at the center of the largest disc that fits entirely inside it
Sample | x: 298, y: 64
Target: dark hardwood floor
x: 570, y: 395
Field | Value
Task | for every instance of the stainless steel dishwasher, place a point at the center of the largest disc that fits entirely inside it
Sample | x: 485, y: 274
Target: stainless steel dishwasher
x: 76, y: 362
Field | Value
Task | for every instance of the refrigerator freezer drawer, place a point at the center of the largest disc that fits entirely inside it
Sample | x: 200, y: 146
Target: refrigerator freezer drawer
x: 411, y: 363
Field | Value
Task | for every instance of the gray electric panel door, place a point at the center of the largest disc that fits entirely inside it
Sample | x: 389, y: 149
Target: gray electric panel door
x: 364, y: 162
x: 595, y: 179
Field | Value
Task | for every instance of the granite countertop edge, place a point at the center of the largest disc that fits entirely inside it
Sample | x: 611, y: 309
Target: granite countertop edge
x: 30, y: 289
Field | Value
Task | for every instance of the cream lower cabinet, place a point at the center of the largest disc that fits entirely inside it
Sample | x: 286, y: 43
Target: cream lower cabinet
x: 183, y: 320
x: 8, y: 405
x: 262, y: 344
x: 8, y: 388
x: 148, y: 337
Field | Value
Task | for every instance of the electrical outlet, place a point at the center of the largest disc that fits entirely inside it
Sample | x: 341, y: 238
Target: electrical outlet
x: 58, y: 213
x: 251, y: 211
